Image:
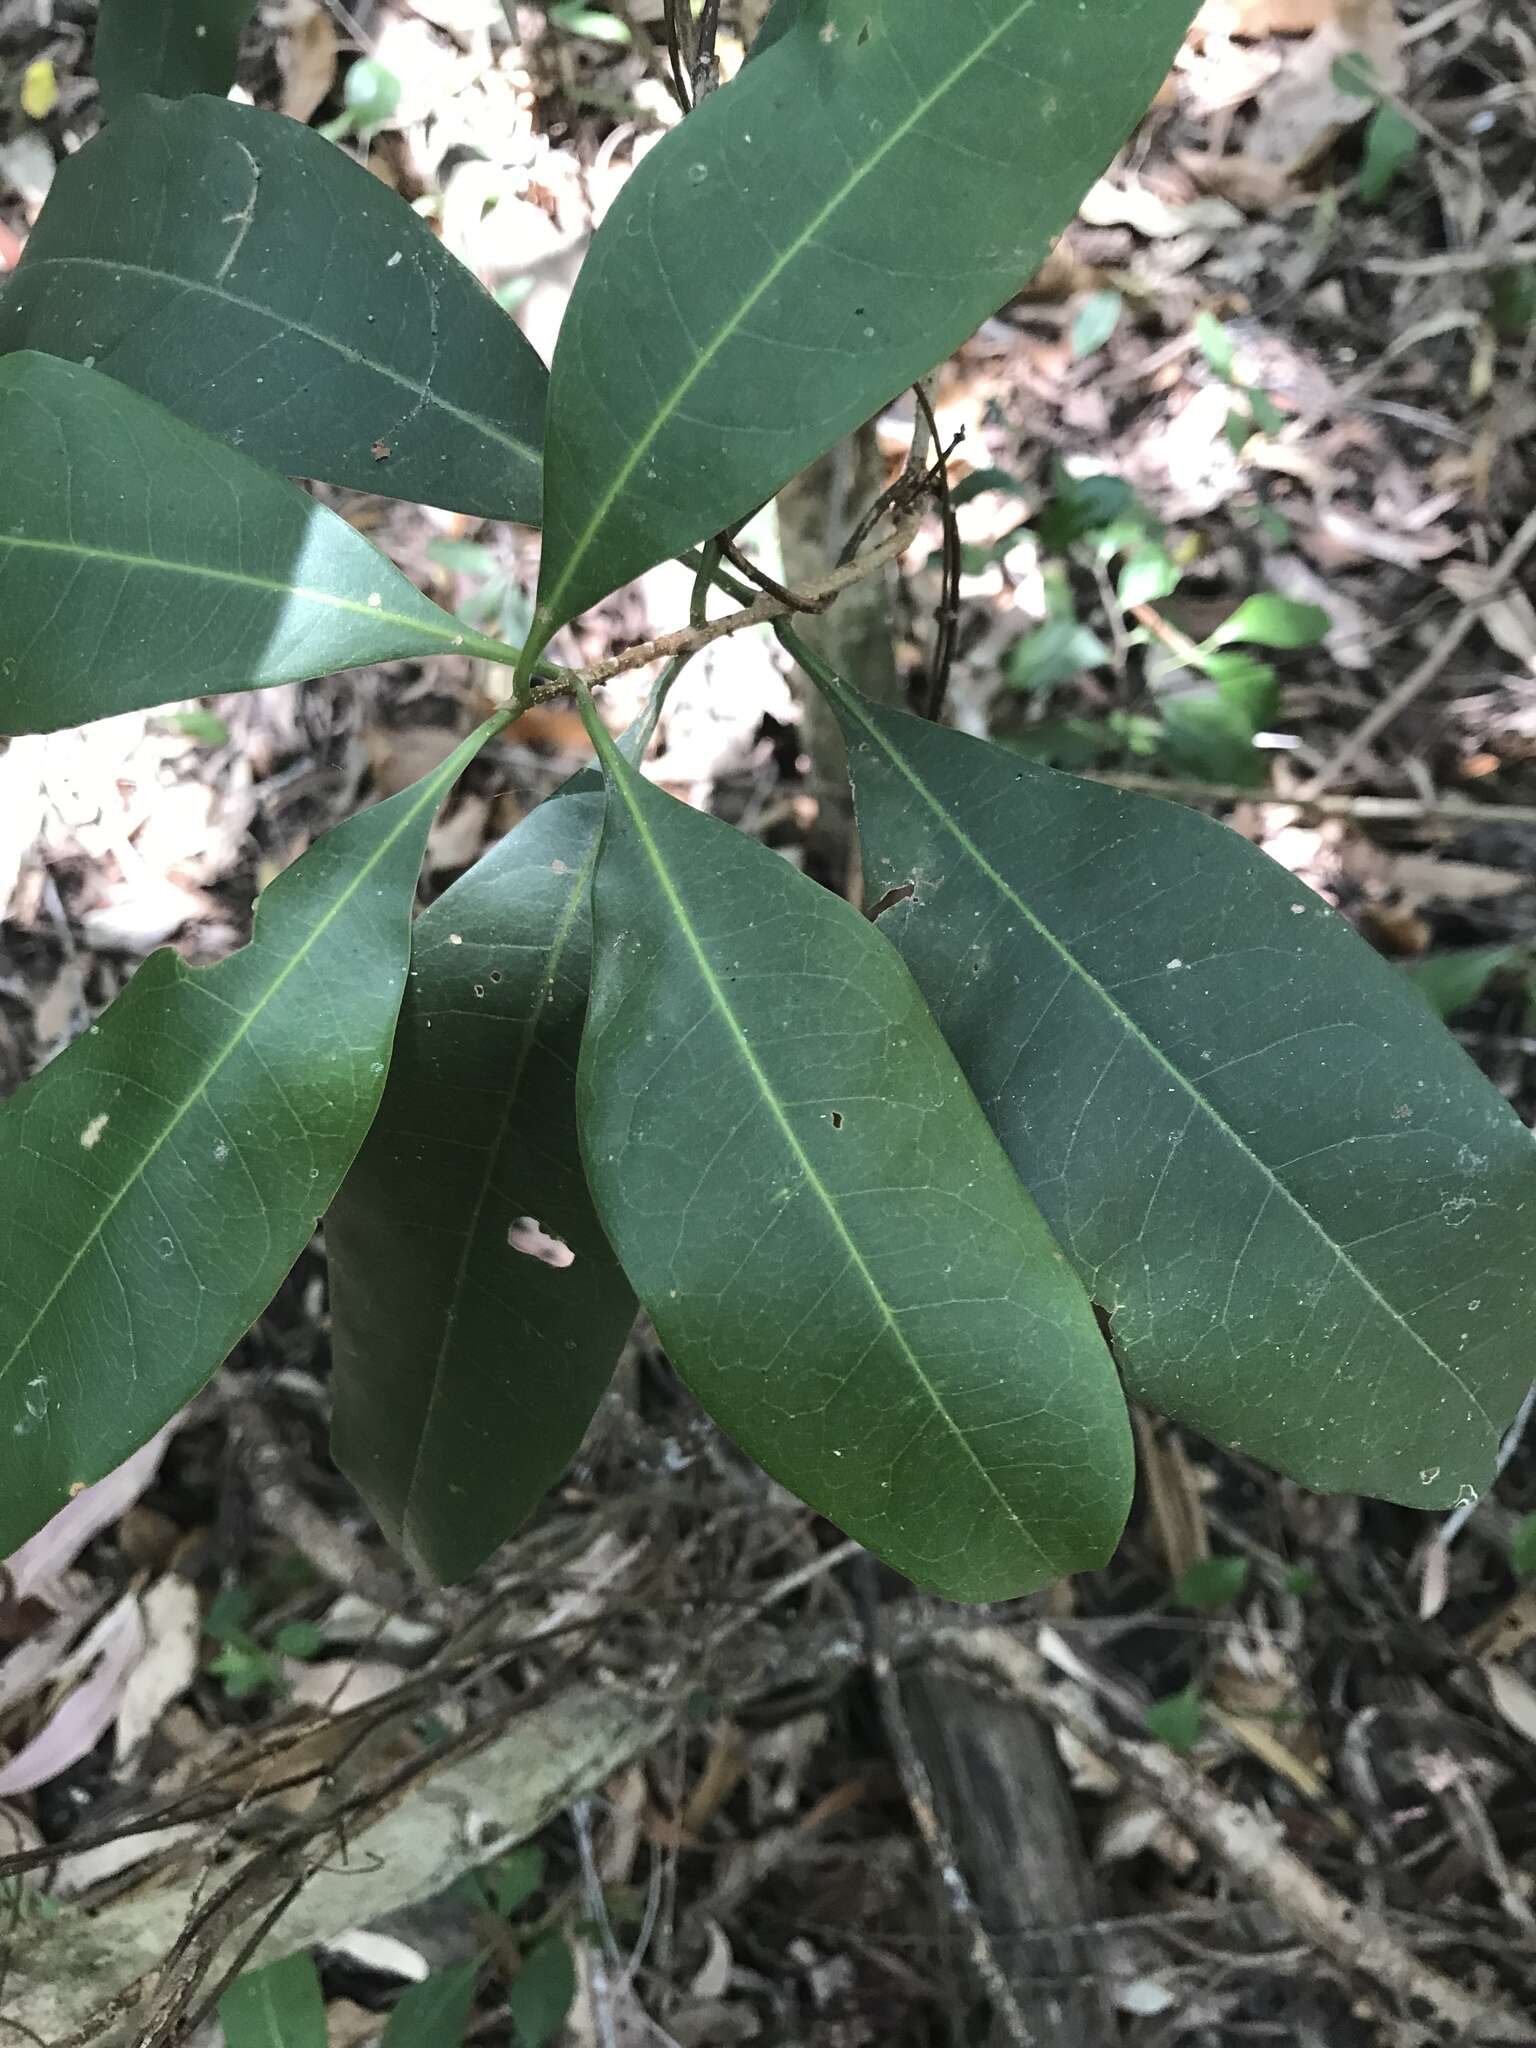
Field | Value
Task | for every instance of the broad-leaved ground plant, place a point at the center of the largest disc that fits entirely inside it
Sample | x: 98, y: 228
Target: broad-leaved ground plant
x: 1101, y: 1106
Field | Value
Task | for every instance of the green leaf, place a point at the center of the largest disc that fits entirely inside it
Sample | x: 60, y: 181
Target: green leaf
x: 301, y: 1639
x: 256, y: 281
x: 1080, y: 505
x: 1211, y: 733
x: 1513, y: 294
x: 981, y: 480
x: 1147, y: 575
x: 542, y: 1993
x: 161, y: 1176
x: 1211, y: 1582
x: 1267, y: 620
x: 1207, y: 734
x: 902, y: 170
x: 512, y: 1880
x: 595, y: 23
x: 1055, y: 653
x: 467, y: 1367
x: 141, y: 561
x: 1305, y: 1210
x: 1177, y: 1720
x: 243, y: 1670
x: 371, y: 94
x: 1449, y: 982
x: 1267, y: 416
x: 1391, y: 143
x: 1215, y: 344
x: 276, y: 2007
x: 434, y: 2014
x: 228, y: 1618
x: 834, y: 1251
x: 1522, y: 1548
x: 170, y: 47
x: 1095, y: 321
x: 206, y: 727
x: 1355, y: 74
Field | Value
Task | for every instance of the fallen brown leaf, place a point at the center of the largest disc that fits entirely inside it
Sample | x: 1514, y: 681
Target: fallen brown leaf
x: 1301, y: 112
x: 306, y: 57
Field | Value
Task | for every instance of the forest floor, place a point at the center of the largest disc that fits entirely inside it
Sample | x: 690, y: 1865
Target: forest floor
x: 1298, y: 325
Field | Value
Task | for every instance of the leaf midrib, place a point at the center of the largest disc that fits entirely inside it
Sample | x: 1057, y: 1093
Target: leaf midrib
x: 450, y: 631
x: 617, y: 780
x: 729, y: 328
x: 492, y: 1158
x: 1071, y: 961
x: 194, y: 1095
x: 290, y: 324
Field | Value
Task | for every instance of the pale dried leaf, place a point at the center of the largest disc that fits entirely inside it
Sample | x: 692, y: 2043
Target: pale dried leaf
x: 1136, y: 1825
x: 336, y: 1687
x: 43, y: 1557
x: 75, y: 1728
x: 1262, y: 17
x: 1173, y: 1493
x: 1509, y: 617
x: 1422, y: 878
x: 1134, y: 205
x: 83, y: 1869
x: 1301, y: 112
x: 1340, y: 536
x: 173, y: 1631
x: 1514, y: 1697
x: 712, y: 1979
x: 306, y: 55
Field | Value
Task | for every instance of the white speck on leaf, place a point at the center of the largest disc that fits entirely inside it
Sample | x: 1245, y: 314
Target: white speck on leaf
x: 91, y: 1135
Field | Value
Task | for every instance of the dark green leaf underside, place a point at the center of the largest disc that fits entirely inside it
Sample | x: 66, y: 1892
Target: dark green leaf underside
x: 868, y: 189
x: 1305, y: 1209
x: 141, y: 561
x: 248, y: 275
x: 833, y: 1249
x: 160, y: 1177
x: 467, y: 1366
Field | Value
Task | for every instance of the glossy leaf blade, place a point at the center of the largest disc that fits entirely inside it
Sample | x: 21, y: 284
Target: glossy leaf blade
x: 478, y: 1311
x: 160, y: 1177
x: 141, y: 561
x: 1306, y: 1211
x: 834, y: 1250
x: 171, y: 47
x: 812, y: 238
x: 249, y: 276
x: 434, y: 2013
x: 279, y: 2006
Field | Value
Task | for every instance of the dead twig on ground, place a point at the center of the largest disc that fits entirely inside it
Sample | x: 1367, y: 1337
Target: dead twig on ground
x: 284, y: 1509
x: 1431, y: 667
x: 1007, y: 2013
x: 1250, y: 1850
x: 1382, y: 810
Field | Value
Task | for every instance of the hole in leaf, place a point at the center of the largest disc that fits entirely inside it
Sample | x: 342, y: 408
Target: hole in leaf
x: 892, y: 897
x: 863, y: 36
x: 534, y: 1242
x: 837, y: 1119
